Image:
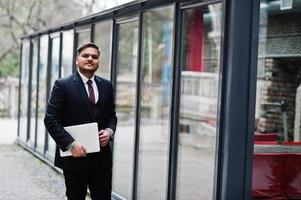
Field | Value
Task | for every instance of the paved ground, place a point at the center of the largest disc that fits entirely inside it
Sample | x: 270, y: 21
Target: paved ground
x: 22, y: 175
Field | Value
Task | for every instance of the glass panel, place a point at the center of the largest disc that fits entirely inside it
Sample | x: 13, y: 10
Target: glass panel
x: 201, y: 34
x: 155, y: 103
x: 67, y: 53
x: 83, y: 36
x: 125, y: 108
x: 277, y: 158
x: 42, y: 92
x: 24, y: 91
x: 33, y: 93
x: 54, y: 76
x: 103, y: 38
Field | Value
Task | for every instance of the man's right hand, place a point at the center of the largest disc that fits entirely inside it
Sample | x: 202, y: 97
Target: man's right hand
x: 78, y: 151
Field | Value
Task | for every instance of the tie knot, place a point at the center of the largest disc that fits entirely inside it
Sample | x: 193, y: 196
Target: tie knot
x: 89, y: 82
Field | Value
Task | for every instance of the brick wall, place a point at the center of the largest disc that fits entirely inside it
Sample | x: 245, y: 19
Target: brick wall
x: 281, y: 79
x: 280, y: 48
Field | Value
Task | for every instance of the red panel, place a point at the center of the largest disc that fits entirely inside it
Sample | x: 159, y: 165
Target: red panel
x: 268, y: 175
x: 265, y: 137
x: 291, y: 143
x: 195, y: 48
x: 266, y: 142
x: 292, y: 187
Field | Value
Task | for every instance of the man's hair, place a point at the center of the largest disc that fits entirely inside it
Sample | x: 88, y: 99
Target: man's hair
x: 87, y: 45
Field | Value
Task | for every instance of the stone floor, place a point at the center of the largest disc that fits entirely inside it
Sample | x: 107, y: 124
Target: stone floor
x: 23, y: 176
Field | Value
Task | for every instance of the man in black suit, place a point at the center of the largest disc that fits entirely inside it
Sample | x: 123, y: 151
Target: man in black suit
x: 78, y: 99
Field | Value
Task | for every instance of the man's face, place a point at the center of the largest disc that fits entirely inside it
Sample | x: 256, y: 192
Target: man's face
x: 88, y: 60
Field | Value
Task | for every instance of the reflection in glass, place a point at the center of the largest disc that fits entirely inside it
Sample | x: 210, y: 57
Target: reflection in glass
x: 276, y: 161
x: 67, y: 53
x: 42, y: 93
x: 103, y: 37
x: 24, y: 91
x: 54, y: 76
x: 33, y: 94
x: 83, y: 36
x: 279, y: 55
x: 201, y: 33
x: 125, y: 108
x: 155, y: 103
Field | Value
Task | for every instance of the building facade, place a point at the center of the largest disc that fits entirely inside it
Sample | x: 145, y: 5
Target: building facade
x: 193, y: 80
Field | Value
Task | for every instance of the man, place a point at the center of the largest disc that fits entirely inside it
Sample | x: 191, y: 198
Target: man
x: 78, y: 99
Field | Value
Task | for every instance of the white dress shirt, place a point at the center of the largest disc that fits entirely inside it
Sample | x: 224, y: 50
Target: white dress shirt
x: 95, y: 90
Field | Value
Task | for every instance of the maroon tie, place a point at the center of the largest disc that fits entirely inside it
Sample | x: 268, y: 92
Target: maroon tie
x: 91, y: 92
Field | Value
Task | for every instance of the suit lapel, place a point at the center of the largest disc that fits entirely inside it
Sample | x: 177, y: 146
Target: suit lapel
x: 100, y: 88
x: 83, y: 93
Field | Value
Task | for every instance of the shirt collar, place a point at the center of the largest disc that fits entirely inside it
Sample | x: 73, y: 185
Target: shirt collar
x: 85, y: 79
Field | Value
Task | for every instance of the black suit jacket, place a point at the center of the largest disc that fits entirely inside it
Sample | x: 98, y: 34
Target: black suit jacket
x: 69, y: 105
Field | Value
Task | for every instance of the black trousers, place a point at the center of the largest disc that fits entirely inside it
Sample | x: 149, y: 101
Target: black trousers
x: 94, y: 177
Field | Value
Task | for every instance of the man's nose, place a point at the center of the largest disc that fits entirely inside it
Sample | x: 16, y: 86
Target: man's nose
x: 90, y: 57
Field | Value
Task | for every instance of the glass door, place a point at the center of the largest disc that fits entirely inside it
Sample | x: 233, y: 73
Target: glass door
x: 200, y: 63
x: 126, y: 71
x: 54, y: 74
x: 156, y: 81
x: 33, y: 97
x: 24, y: 90
x: 41, y: 131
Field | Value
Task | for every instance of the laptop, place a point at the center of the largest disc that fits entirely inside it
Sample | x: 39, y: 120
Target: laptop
x: 84, y: 134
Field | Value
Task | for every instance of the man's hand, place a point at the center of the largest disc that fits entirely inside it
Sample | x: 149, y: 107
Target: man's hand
x: 104, y: 137
x: 78, y: 151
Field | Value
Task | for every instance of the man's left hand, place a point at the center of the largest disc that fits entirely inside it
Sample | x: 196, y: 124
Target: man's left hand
x: 104, y: 137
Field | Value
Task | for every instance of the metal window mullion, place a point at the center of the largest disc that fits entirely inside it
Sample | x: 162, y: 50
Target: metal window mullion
x: 113, y: 74
x: 252, y: 80
x: 175, y: 105
x: 48, y: 79
x: 20, y: 86
x: 29, y: 91
x: 236, y: 103
x: 60, y: 54
x: 92, y: 32
x: 138, y: 108
x: 75, y: 39
x: 114, y: 50
x: 37, y: 94
x: 218, y: 162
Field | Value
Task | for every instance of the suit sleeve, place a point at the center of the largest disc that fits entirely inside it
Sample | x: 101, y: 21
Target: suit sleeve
x: 54, y: 117
x: 112, y: 114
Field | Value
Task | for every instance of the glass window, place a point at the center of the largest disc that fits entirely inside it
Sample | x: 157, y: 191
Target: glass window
x: 24, y: 90
x: 277, y: 148
x: 125, y: 108
x: 200, y: 58
x: 103, y: 39
x: 67, y: 53
x: 33, y: 93
x: 83, y: 36
x: 54, y: 76
x: 155, y: 103
x: 42, y: 93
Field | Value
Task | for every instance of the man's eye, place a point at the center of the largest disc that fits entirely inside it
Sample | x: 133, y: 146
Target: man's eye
x: 94, y: 57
